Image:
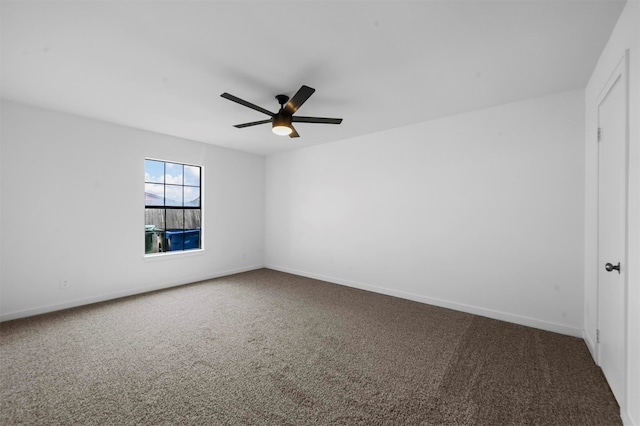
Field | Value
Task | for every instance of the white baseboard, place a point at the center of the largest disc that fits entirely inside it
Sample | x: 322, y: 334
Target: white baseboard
x: 502, y: 316
x: 626, y: 419
x: 516, y: 319
x: 118, y: 294
x: 591, y: 345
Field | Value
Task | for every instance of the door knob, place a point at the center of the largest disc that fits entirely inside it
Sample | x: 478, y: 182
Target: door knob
x: 609, y: 267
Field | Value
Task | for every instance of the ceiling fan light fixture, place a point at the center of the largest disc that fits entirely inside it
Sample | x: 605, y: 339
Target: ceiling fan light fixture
x: 281, y: 126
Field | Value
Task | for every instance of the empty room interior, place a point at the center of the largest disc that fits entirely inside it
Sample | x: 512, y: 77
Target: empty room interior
x: 358, y: 212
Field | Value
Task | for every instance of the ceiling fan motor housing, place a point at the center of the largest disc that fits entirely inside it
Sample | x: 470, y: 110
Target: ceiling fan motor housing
x: 281, y: 124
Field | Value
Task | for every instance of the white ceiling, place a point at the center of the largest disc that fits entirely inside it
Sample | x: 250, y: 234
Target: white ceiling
x: 162, y: 65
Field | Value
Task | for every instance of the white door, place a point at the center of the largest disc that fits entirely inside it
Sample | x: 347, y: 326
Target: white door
x: 612, y: 188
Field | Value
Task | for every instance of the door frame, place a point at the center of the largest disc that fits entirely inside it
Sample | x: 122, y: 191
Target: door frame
x: 621, y: 73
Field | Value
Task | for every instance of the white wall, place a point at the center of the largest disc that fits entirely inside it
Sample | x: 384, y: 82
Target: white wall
x: 626, y: 36
x: 72, y: 200
x: 482, y: 212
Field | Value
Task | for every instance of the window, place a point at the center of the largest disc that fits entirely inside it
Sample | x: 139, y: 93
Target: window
x: 172, y: 206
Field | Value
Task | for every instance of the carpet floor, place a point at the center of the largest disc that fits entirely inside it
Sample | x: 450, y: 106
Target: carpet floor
x: 269, y: 348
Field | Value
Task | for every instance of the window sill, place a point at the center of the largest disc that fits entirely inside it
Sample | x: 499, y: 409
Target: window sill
x: 173, y: 255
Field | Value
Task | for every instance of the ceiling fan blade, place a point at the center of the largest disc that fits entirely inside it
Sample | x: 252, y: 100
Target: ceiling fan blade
x: 298, y: 99
x: 294, y: 133
x: 253, y: 123
x: 247, y: 104
x: 323, y: 120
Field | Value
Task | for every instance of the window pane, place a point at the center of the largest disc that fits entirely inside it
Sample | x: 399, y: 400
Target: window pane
x: 154, y: 230
x: 155, y: 218
x: 192, y: 175
x: 175, y: 219
x: 174, y: 195
x: 154, y: 194
x: 153, y: 171
x: 175, y: 240
x: 173, y: 174
x: 191, y: 219
x: 192, y: 196
x: 191, y: 239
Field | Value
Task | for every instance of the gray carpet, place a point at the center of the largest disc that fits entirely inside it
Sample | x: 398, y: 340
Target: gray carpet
x: 269, y: 348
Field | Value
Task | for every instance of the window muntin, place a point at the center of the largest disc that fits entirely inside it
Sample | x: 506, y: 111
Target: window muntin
x: 173, y: 218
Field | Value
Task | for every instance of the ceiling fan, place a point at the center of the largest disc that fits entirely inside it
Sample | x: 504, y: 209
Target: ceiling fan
x: 281, y: 121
